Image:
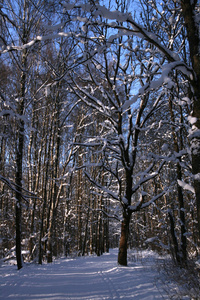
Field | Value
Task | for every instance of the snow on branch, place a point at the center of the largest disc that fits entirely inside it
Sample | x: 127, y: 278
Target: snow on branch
x: 98, y: 104
x: 146, y: 176
x: 14, y: 187
x: 90, y: 100
x: 164, y: 79
x: 110, y: 193
x: 98, y: 10
x: 186, y: 186
x: 154, y: 198
x: 39, y: 38
x: 141, y: 204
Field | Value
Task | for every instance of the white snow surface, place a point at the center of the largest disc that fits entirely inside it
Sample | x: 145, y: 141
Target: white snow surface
x: 88, y: 278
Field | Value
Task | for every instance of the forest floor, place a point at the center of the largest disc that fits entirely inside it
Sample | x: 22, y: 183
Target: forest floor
x: 92, y: 278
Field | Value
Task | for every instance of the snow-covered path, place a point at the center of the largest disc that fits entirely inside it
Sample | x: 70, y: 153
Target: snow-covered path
x: 82, y: 278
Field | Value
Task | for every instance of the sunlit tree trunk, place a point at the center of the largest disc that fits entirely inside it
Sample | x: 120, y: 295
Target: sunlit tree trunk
x: 123, y: 244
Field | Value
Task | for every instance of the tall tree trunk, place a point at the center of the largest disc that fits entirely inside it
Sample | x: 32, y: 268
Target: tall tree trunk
x: 86, y: 232
x: 2, y: 170
x: 19, y: 162
x: 192, y: 26
x: 177, y: 148
x: 91, y: 230
x: 99, y: 237
x: 123, y: 244
x: 51, y: 247
x: 31, y: 185
x: 99, y: 228
x: 18, y: 181
x: 44, y: 185
x: 106, y: 235
x: 174, y: 239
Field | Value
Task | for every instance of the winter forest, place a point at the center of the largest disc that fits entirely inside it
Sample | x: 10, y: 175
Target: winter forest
x: 99, y: 128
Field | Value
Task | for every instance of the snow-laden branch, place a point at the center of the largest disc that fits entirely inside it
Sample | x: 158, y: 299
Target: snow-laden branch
x: 175, y: 62
x: 140, y: 205
x: 154, y: 198
x: 164, y: 79
x: 186, y: 186
x: 94, y: 103
x: 146, y: 176
x: 14, y: 187
x: 39, y: 38
x: 98, y: 10
x: 99, y: 105
x: 152, y: 109
x: 108, y: 192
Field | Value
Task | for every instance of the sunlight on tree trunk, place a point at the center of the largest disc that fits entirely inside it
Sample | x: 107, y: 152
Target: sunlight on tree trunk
x: 123, y: 244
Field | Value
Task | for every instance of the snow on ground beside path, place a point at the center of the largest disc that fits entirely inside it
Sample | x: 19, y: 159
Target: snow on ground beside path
x: 85, y: 278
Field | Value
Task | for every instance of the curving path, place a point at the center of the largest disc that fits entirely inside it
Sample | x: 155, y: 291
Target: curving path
x: 85, y: 278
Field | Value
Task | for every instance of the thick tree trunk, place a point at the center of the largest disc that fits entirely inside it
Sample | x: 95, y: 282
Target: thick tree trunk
x: 192, y: 26
x: 123, y: 244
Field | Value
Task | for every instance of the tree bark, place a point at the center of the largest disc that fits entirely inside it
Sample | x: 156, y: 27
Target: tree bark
x: 174, y: 238
x: 44, y: 204
x: 188, y: 10
x: 19, y: 163
x: 177, y: 148
x: 51, y: 243
x: 18, y: 181
x: 123, y: 244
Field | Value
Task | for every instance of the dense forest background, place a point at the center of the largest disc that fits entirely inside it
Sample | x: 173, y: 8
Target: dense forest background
x: 99, y: 116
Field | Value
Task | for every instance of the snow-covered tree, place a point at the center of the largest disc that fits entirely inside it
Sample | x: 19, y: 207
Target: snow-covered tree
x: 136, y: 73
x: 166, y: 67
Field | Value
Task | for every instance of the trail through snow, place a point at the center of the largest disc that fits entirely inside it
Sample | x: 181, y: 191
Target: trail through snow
x: 85, y: 278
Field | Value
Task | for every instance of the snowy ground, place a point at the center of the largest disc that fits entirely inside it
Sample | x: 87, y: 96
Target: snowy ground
x: 89, y: 278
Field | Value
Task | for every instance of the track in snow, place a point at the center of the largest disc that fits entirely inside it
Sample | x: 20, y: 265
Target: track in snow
x: 85, y: 278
